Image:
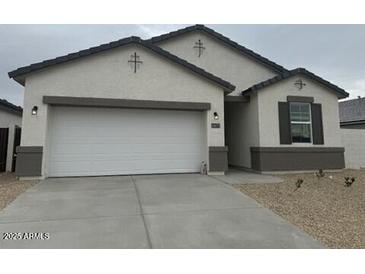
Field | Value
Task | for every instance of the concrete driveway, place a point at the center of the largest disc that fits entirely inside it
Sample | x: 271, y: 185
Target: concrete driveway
x: 154, y: 211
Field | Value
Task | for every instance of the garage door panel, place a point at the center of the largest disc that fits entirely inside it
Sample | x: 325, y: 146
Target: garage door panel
x: 127, y: 140
x: 89, y: 168
x: 123, y: 149
x: 170, y: 156
x: 128, y: 132
x: 99, y: 141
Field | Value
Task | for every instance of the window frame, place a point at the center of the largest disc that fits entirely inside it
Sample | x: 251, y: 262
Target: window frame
x: 301, y: 122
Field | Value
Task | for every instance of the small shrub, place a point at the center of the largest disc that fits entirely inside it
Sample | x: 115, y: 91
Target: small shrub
x: 320, y: 174
x: 298, y: 183
x: 349, y: 181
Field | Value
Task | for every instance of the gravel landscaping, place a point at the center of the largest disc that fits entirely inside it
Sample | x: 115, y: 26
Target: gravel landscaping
x: 323, y: 206
x: 10, y: 188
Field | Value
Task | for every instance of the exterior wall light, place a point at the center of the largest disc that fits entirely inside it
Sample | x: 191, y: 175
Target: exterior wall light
x: 34, y: 110
x: 216, y: 116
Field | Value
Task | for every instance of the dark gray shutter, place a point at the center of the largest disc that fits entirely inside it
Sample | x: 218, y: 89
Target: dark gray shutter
x: 317, y: 125
x: 284, y: 123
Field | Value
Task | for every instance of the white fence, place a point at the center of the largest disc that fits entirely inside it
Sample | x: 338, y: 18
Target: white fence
x: 354, y: 143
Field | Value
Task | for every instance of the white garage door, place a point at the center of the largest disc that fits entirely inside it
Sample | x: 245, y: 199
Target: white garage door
x: 104, y: 141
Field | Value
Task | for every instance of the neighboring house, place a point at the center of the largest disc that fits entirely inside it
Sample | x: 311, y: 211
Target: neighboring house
x: 167, y: 104
x: 352, y: 113
x: 352, y: 122
x: 10, y: 123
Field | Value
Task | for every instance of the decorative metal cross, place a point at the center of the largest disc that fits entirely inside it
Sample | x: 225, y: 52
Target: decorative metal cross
x: 199, y: 46
x: 135, y: 60
x: 299, y: 84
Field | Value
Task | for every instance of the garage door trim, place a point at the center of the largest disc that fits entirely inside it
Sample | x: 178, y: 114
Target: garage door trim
x: 124, y: 103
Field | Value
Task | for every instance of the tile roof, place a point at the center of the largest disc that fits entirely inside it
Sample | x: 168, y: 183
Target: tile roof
x: 122, y: 42
x: 339, y: 91
x: 352, y: 110
x: 224, y: 39
x: 10, y: 107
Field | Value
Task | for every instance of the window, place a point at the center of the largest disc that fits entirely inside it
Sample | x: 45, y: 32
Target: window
x: 300, y: 120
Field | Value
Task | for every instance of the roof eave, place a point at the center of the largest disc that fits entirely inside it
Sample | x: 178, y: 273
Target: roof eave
x: 22, y: 71
x: 341, y: 94
x: 19, y: 74
x: 19, y: 79
x: 11, y: 108
x: 264, y: 61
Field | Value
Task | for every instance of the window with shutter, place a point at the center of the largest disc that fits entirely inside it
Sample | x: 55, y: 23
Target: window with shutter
x: 300, y: 120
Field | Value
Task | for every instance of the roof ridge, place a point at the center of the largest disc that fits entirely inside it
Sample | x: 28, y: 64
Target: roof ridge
x: 243, y: 49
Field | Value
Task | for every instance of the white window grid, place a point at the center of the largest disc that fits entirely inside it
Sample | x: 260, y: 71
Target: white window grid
x: 309, y: 122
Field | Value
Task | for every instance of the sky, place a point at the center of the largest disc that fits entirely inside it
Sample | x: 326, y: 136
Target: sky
x: 334, y: 52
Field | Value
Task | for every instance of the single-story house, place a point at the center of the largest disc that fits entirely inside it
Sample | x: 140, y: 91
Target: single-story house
x: 10, y: 130
x: 352, y: 123
x: 169, y: 104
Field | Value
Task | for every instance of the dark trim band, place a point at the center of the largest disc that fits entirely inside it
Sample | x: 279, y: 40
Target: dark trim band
x: 237, y: 99
x: 29, y: 149
x: 353, y: 126
x: 217, y: 149
x: 124, y: 103
x: 358, y: 122
x: 29, y: 161
x: 297, y: 158
x: 218, y: 159
x: 301, y: 99
x: 297, y: 149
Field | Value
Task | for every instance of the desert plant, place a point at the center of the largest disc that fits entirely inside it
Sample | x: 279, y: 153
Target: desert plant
x: 320, y: 174
x: 349, y: 181
x: 298, y: 183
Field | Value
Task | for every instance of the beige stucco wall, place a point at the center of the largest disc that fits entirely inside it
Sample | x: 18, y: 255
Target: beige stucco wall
x: 108, y: 75
x: 219, y: 59
x: 269, y: 97
x: 9, y: 120
x: 354, y: 143
x: 242, y: 131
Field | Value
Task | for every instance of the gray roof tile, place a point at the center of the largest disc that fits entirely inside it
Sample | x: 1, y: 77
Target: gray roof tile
x: 135, y: 40
x: 352, y: 110
x: 339, y: 91
x: 268, y: 63
x: 9, y: 106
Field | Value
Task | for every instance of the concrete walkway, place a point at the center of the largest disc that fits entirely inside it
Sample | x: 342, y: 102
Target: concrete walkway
x: 235, y: 176
x: 160, y: 211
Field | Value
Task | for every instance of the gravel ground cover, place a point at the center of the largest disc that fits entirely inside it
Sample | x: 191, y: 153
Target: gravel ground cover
x: 10, y: 188
x: 323, y: 206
